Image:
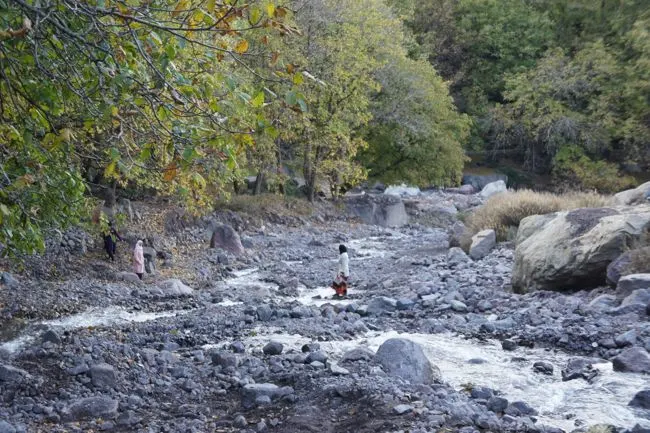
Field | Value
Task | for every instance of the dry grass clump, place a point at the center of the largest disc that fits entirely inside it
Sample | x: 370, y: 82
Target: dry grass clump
x: 504, y: 212
x: 268, y: 204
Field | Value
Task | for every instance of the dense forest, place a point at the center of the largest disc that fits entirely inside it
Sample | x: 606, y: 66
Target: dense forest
x: 188, y: 97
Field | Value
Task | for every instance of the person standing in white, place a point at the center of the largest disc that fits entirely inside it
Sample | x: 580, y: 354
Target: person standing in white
x: 340, y: 285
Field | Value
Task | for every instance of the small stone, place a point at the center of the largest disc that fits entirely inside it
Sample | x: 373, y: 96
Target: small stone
x: 273, y: 348
x: 240, y: 422
x: 497, y: 404
x: 225, y: 360
x: 92, y: 407
x: 261, y: 427
x: 103, y: 375
x: 543, y: 368
x: 50, y: 336
x: 311, y: 347
x: 337, y: 370
x: 316, y: 357
x: 238, y: 347
x: 402, y: 409
x: 508, y: 345
x: 626, y: 339
x: 9, y: 373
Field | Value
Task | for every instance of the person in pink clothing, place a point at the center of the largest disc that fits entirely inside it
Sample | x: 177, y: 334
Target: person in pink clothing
x: 138, y: 260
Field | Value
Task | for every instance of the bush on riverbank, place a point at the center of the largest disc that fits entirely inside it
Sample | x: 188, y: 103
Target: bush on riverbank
x: 264, y: 204
x: 504, y: 212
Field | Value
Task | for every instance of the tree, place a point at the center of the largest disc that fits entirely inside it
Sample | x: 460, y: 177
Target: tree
x: 153, y: 92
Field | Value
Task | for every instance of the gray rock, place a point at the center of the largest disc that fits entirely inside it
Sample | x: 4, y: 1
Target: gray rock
x: 103, y: 375
x: 358, y: 354
x: 402, y: 409
x: 571, y: 249
x: 240, y: 422
x: 405, y: 359
x: 458, y: 306
x: 482, y: 244
x: 404, y: 304
x: 310, y: 347
x: 519, y: 408
x: 628, y: 263
x: 637, y: 297
x: 175, y: 288
x: 382, y: 209
x: 225, y: 237
x: 8, y: 280
x: 632, y: 360
x: 225, y: 360
x: 12, y: 374
x: 630, y: 283
x: 479, y: 181
x: 238, y: 347
x: 128, y: 277
x: 456, y: 256
x: 603, y: 302
x: 626, y: 339
x: 273, y: 348
x: 543, y: 368
x: 493, y: 188
x: 381, y: 305
x: 466, y: 189
x: 91, y: 407
x: 337, y: 370
x: 632, y: 196
x: 264, y: 313
x: 251, y: 393
x: 641, y: 399
x: 5, y: 427
x: 316, y: 357
x: 579, y: 368
x: 497, y: 404
x: 508, y: 345
x: 50, y: 336
x: 481, y: 393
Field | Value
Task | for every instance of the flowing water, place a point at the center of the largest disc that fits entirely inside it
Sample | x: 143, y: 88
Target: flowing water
x: 559, y: 403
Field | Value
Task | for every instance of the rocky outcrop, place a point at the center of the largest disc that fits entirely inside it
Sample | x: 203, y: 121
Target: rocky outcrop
x: 572, y: 249
x: 382, y: 210
x: 225, y: 237
x: 405, y: 359
x: 636, y: 195
x: 482, y: 244
x: 630, y: 262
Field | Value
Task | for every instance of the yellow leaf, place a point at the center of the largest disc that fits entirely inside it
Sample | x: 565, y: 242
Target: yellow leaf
x: 298, y: 79
x: 170, y: 172
x: 210, y: 6
x: 110, y: 169
x: 180, y: 7
x: 242, y: 46
x: 270, y: 10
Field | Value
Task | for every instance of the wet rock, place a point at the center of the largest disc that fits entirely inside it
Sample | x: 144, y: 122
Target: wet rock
x: 103, y: 375
x: 403, y: 409
x: 91, y: 407
x: 12, y: 374
x: 572, y: 249
x: 481, y: 393
x: 225, y: 237
x: 520, y: 408
x: 493, y: 188
x: 509, y: 345
x: 497, y: 404
x: 310, y: 347
x: 641, y: 399
x: 477, y: 361
x: 543, y: 368
x: 482, y: 244
x: 632, y: 360
x: 273, y: 348
x: 50, y: 336
x: 405, y: 359
x: 238, y: 347
x: 175, y: 288
x: 579, y: 368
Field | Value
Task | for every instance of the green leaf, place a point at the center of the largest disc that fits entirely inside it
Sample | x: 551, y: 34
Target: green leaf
x: 258, y: 100
x: 291, y: 98
x: 255, y: 15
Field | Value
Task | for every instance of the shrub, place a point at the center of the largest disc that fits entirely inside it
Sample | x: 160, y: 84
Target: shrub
x: 503, y: 212
x: 268, y: 204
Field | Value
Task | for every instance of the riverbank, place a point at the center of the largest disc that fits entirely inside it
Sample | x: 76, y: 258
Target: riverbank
x: 101, y: 354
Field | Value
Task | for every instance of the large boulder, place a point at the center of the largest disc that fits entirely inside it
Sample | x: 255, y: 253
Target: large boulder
x: 482, y: 244
x: 382, y: 209
x: 632, y: 360
x: 631, y: 283
x: 572, y: 249
x: 225, y: 237
x: 641, y: 399
x: 479, y: 182
x: 174, y: 288
x: 630, y: 262
x: 402, y: 190
x: 493, y: 188
x: 636, y: 195
x: 405, y: 359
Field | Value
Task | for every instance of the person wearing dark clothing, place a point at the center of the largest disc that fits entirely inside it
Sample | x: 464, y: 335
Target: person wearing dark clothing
x: 111, y: 236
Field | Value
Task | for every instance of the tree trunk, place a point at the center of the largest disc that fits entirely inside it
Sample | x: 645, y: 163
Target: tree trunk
x: 259, y: 183
x: 307, y: 172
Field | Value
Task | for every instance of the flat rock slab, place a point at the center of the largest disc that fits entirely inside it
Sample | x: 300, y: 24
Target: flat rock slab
x: 92, y: 407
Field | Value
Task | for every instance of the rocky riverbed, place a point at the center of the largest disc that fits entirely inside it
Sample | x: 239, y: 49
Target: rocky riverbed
x: 255, y: 343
